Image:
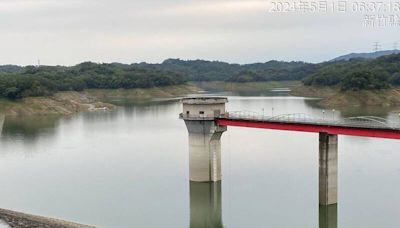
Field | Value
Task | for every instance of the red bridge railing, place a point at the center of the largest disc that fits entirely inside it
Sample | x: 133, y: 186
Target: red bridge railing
x: 302, y: 118
x: 366, y: 126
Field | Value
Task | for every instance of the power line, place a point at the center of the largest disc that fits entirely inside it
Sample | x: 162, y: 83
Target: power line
x: 376, y: 46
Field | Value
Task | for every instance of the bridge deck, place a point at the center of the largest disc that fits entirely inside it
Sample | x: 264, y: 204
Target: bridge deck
x: 371, y: 128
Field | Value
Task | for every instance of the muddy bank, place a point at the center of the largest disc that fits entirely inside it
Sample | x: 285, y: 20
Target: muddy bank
x: 67, y: 103
x: 332, y: 97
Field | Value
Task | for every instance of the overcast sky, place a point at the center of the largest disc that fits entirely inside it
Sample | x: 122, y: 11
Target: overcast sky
x: 67, y: 32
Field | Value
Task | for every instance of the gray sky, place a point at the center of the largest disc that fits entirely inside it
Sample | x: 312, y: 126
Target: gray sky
x: 67, y: 32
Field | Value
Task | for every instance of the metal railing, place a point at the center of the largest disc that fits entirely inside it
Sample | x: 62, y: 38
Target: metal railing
x: 302, y: 118
x: 199, y: 116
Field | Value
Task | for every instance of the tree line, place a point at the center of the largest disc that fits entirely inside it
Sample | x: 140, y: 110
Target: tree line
x: 46, y: 80
x: 358, y: 74
x: 355, y: 74
x: 201, y: 70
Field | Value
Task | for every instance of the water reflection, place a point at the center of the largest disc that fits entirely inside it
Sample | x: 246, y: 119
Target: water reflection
x: 100, y: 116
x: 351, y: 111
x: 328, y: 216
x: 153, y: 108
x: 138, y: 103
x: 31, y: 128
x: 2, y: 117
x: 28, y: 128
x: 205, y: 205
x: 206, y: 209
x: 96, y: 150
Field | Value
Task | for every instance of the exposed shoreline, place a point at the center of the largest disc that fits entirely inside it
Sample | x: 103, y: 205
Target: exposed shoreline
x: 330, y: 97
x: 22, y: 220
x: 68, y: 103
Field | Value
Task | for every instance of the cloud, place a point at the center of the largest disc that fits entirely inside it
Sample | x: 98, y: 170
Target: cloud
x: 69, y: 31
x: 17, y: 6
x: 217, y: 7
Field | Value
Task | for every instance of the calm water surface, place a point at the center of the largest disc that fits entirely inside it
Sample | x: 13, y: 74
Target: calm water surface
x: 129, y: 168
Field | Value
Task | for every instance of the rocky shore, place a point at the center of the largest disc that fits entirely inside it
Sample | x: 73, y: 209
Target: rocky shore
x: 21, y: 220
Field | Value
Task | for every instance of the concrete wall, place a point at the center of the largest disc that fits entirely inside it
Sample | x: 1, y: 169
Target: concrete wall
x: 208, y: 109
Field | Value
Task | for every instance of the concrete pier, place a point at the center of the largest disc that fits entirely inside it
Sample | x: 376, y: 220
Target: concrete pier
x: 328, y: 169
x: 204, y: 151
x: 204, y: 137
x: 205, y: 205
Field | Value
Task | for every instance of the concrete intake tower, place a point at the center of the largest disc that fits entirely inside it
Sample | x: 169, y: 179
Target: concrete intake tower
x: 199, y: 115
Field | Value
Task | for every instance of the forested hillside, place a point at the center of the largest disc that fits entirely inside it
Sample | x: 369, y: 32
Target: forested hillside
x: 356, y: 74
x: 18, y: 82
x: 46, y: 80
x: 370, y: 55
x: 201, y: 70
x: 379, y: 73
x: 11, y: 69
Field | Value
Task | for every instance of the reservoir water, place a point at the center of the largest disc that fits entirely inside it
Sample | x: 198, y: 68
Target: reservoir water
x: 129, y: 168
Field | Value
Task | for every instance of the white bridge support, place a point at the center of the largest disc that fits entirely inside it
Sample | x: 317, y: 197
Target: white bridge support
x: 328, y: 169
x: 204, y: 137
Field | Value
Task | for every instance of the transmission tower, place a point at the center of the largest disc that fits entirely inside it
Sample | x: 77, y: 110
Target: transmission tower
x: 395, y: 46
x: 376, y: 46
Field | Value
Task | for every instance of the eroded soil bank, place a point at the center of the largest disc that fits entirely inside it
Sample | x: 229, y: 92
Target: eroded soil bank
x: 21, y: 220
x: 67, y: 103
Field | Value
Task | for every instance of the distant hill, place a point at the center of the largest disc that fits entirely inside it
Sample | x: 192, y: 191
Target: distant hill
x: 30, y: 81
x: 371, y: 55
x: 202, y: 70
x: 11, y: 69
x: 358, y: 74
